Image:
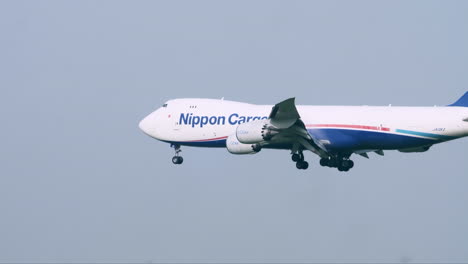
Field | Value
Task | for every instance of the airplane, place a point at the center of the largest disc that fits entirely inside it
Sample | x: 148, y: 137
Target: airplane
x: 334, y: 133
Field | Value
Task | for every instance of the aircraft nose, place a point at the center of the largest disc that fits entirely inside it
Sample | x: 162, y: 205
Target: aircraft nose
x: 147, y: 125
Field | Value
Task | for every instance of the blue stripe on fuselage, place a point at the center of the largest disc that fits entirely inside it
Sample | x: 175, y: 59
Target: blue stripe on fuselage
x: 347, y: 139
x: 221, y: 143
x: 423, y: 134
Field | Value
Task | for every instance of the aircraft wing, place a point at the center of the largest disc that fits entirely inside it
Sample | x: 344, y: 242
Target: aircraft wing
x: 284, y: 114
x: 287, y: 122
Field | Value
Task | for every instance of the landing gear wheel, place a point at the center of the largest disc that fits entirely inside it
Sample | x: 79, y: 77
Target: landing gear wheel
x: 343, y: 169
x: 299, y: 166
x: 177, y: 160
x: 345, y: 165
x: 295, y: 157
x: 302, y: 165
x: 324, y: 162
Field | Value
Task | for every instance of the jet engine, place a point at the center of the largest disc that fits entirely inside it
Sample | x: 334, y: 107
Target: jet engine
x: 255, y: 132
x: 235, y: 147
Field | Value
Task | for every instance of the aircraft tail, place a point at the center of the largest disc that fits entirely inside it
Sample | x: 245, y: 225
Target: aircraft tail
x: 463, y: 101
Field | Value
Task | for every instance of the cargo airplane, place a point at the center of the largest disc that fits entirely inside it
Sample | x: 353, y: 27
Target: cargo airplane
x: 333, y: 133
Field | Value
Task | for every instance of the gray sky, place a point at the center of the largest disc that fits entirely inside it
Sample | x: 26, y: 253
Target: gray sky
x: 79, y: 182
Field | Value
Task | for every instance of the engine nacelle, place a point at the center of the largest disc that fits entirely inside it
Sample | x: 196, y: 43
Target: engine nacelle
x: 255, y: 132
x: 235, y: 147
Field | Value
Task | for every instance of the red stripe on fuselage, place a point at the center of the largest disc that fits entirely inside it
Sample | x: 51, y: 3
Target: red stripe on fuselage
x: 211, y: 139
x: 349, y: 126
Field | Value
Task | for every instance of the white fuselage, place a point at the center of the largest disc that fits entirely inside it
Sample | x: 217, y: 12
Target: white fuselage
x: 199, y: 122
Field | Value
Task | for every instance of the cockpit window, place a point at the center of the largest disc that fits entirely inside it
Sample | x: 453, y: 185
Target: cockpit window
x: 164, y: 105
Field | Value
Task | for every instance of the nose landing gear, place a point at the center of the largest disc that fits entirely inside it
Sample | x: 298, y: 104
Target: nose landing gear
x: 177, y: 159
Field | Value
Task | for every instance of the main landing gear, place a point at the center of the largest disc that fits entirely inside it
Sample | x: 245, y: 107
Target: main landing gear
x: 177, y: 159
x: 301, y: 164
x: 343, y: 163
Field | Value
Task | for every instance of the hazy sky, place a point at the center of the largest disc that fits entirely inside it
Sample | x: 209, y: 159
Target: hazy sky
x: 79, y: 182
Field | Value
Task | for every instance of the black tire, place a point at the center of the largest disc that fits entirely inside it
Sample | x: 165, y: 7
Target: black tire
x: 299, y: 165
x: 347, y: 165
x: 302, y: 165
x: 295, y: 157
x: 180, y: 160
x: 324, y: 162
x: 343, y: 164
x: 175, y: 160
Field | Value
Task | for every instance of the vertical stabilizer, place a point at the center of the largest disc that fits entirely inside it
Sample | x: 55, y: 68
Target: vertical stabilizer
x: 463, y: 101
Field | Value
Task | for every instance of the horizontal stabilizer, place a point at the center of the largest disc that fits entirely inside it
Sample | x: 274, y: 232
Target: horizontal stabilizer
x: 463, y: 101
